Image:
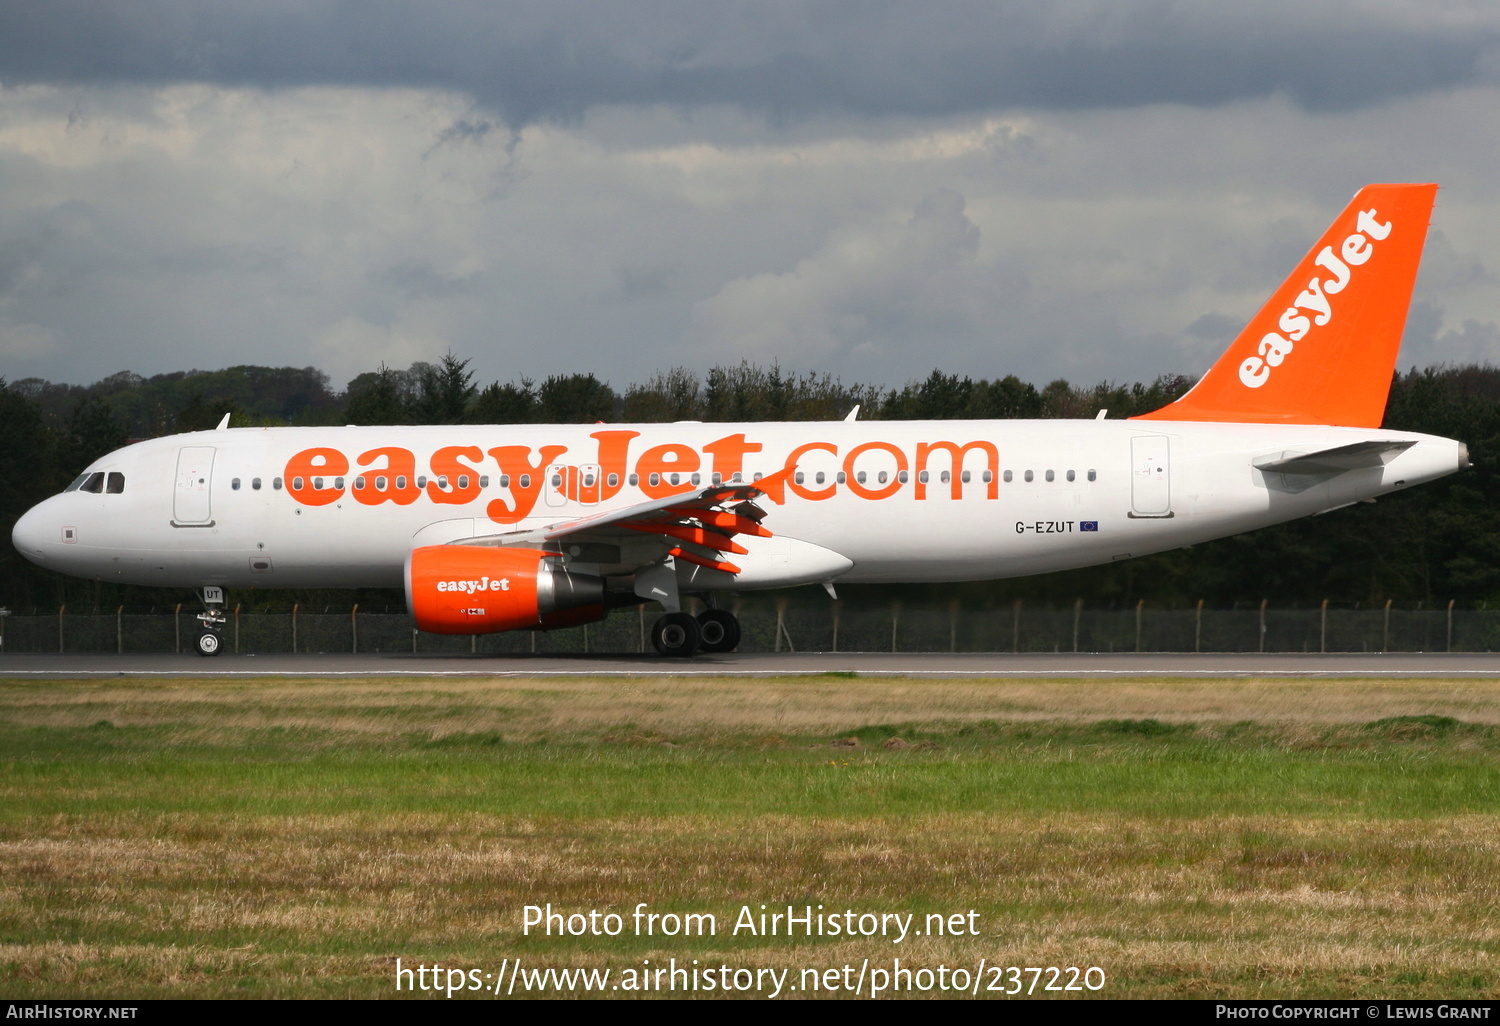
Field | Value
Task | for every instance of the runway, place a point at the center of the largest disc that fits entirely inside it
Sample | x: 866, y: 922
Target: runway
x: 997, y: 665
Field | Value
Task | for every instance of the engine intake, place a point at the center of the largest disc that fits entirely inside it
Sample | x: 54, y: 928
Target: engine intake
x: 471, y: 589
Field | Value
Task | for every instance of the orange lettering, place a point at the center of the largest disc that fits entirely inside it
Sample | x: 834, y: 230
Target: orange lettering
x: 884, y: 491
x: 400, y: 466
x: 924, y: 449
x: 729, y: 455
x: 816, y: 495
x: 463, y: 480
x: 515, y: 463
x: 673, y: 458
x: 320, y: 464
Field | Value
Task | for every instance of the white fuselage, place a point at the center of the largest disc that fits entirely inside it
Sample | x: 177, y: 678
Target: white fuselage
x: 218, y: 507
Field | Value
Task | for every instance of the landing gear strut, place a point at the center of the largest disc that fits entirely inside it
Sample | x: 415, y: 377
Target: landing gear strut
x: 209, y: 640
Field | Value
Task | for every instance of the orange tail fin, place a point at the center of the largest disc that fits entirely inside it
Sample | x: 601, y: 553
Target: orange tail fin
x: 1322, y: 350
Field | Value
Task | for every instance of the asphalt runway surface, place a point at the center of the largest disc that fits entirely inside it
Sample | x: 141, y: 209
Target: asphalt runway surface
x: 1003, y: 664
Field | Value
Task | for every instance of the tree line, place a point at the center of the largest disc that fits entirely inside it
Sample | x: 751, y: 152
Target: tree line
x: 1432, y: 544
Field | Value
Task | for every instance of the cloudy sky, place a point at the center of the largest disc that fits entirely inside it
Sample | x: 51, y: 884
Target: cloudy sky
x: 1090, y: 190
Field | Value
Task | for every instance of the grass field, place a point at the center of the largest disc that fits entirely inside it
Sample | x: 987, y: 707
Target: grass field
x: 1252, y: 838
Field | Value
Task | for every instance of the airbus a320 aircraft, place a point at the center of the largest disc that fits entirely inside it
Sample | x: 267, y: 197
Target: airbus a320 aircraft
x: 537, y: 527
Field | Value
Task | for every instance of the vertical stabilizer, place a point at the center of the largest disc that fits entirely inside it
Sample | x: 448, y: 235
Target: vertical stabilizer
x: 1323, y: 349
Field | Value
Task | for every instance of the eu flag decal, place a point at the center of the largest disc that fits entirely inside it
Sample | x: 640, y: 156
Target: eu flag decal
x: 1088, y: 525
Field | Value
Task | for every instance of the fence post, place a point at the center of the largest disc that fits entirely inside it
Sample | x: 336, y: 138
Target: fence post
x: 585, y: 639
x: 1450, y: 626
x: 236, y: 628
x: 1262, y: 625
x: 354, y: 629
x: 640, y: 641
x: 1323, y: 628
x: 1077, y: 616
x: 1385, y: 641
x: 119, y: 630
x: 1140, y: 607
x: 1015, y: 627
x: 414, y: 633
x: 177, y: 630
x: 298, y: 605
x: 60, y: 646
x: 895, y: 619
x: 474, y: 642
x: 953, y: 626
x: 837, y: 606
x: 1198, y: 627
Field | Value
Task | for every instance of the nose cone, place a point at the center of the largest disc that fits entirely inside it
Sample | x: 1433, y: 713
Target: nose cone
x: 31, y: 534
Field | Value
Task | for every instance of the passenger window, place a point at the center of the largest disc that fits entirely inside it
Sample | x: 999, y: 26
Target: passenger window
x: 463, y: 481
x: 317, y: 484
x: 276, y: 483
x: 296, y: 484
x: 697, y: 480
x: 255, y: 483
x: 860, y: 477
x: 525, y: 480
x: 880, y: 478
x: 634, y: 479
x: 338, y: 482
x: 922, y: 477
x: 1050, y: 475
x: 718, y: 478
x: 945, y: 477
x: 484, y: 480
x: 421, y: 480
x: 988, y: 477
x: 613, y: 480
x: 818, y: 477
x: 964, y: 477
x: 799, y: 477
x: 676, y: 479
x: 234, y: 485
x: 504, y: 480
x: 1092, y: 475
x: 903, y: 477
x: 116, y: 483
x: 1029, y: 476
x: 1009, y: 476
x: 655, y: 480
x: 359, y: 482
x: 840, y: 477
x: 1071, y: 475
x: 381, y: 483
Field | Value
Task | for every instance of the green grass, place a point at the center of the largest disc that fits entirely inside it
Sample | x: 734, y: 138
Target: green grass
x: 185, y: 839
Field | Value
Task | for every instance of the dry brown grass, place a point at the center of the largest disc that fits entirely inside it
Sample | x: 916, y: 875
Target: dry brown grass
x: 531, y: 707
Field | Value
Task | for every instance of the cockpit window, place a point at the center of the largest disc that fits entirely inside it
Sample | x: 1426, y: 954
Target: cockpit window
x: 77, y: 483
x: 94, y: 483
x: 116, y: 483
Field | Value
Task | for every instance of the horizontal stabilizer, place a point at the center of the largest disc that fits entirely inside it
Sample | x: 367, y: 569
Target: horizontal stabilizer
x: 1328, y: 462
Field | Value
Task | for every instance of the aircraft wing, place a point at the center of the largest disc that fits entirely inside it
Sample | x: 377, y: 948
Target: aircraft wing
x: 695, y: 526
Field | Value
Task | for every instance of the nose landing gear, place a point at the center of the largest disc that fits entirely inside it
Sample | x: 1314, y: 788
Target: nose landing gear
x: 209, y: 639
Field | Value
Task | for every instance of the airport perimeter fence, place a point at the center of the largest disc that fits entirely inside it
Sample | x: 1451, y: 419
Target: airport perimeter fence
x: 798, y: 625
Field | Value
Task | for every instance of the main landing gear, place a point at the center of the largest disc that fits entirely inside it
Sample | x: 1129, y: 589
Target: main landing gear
x: 209, y: 638
x: 683, y: 635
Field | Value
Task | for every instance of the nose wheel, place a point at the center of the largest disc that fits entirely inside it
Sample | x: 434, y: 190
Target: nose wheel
x: 209, y: 641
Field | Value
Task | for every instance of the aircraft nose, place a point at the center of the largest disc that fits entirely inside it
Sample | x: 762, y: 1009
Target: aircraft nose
x: 29, y: 535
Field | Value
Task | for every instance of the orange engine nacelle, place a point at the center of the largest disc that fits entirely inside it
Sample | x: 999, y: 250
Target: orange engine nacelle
x: 470, y: 589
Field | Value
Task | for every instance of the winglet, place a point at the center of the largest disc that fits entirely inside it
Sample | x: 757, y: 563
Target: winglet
x: 1323, y: 348
x: 773, y: 486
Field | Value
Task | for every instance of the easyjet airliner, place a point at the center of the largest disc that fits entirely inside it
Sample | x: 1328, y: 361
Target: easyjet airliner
x: 543, y: 526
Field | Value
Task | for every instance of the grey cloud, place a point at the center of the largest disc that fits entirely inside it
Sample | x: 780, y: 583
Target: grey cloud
x: 558, y: 58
